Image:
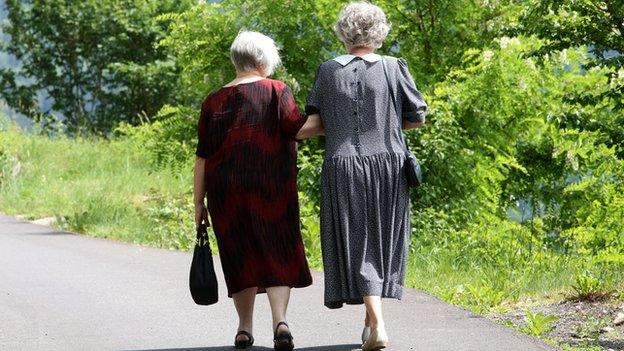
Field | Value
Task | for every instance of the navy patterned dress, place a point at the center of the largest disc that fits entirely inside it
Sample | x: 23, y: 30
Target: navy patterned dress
x: 365, y: 224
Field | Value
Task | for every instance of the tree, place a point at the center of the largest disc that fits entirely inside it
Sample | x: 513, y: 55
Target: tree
x: 95, y: 60
x: 599, y: 26
x: 434, y: 34
x: 200, y: 39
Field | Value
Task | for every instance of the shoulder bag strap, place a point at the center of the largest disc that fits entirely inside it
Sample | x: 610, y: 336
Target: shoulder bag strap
x: 394, y: 102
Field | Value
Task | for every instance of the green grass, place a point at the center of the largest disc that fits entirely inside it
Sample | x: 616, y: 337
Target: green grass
x: 97, y: 187
x: 484, y: 287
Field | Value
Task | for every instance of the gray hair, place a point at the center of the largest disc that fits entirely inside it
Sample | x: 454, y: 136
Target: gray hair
x: 362, y: 24
x: 252, y: 50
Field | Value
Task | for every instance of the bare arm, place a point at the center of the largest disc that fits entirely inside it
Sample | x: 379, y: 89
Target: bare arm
x: 313, y: 126
x: 411, y: 125
x: 199, y: 192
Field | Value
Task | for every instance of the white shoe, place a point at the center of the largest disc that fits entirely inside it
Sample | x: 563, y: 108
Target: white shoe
x: 366, y: 334
x: 378, y: 340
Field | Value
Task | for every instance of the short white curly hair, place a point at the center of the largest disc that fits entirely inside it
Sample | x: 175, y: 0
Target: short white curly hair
x: 253, y: 51
x: 362, y: 24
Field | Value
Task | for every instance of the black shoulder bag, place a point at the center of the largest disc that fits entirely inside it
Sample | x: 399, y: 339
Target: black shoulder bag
x: 202, y: 279
x: 412, y: 165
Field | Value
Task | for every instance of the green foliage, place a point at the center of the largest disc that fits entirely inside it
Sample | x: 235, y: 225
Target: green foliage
x: 599, y: 25
x: 581, y: 348
x: 486, y: 150
x: 9, y: 168
x: 434, y: 35
x: 514, y: 202
x: 590, y: 328
x: 304, y: 37
x: 310, y: 230
x: 538, y: 324
x: 479, y: 297
x: 173, y: 222
x: 169, y: 140
x: 95, y: 61
x: 98, y: 187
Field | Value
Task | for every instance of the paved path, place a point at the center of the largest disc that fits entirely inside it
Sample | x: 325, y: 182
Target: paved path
x: 60, y: 291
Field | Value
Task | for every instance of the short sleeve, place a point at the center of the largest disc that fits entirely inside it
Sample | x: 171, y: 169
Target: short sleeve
x: 202, y: 134
x: 290, y: 119
x: 312, y: 107
x: 413, y: 105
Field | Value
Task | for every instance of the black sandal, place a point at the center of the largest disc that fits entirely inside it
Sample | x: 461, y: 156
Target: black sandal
x: 284, y: 340
x: 243, y: 344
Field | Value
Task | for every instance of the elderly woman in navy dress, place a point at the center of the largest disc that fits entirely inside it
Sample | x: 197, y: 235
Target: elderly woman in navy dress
x: 365, y: 223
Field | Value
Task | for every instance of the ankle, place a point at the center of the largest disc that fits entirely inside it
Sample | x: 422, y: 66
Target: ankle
x: 377, y: 325
x: 277, y: 327
x: 245, y: 327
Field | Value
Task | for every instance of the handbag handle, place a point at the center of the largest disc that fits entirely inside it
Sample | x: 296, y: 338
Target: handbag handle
x: 202, y: 236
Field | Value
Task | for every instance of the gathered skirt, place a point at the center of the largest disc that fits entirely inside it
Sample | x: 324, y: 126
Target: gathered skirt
x: 365, y: 227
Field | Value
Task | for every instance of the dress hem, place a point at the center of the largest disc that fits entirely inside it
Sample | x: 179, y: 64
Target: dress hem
x: 262, y: 287
x: 396, y: 292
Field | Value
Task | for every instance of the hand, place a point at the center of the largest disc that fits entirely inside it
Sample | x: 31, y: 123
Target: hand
x: 201, y: 215
x: 313, y: 126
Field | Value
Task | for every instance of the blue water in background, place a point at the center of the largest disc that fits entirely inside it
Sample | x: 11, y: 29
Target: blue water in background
x: 8, y: 61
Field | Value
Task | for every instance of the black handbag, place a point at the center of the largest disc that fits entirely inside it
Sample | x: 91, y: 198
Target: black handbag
x: 202, y: 279
x: 412, y: 165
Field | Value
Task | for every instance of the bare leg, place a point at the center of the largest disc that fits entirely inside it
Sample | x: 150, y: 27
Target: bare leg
x: 378, y: 338
x: 373, y: 312
x: 244, y: 303
x: 278, y: 298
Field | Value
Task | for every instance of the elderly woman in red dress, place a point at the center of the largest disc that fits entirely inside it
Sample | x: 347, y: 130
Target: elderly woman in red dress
x: 246, y: 171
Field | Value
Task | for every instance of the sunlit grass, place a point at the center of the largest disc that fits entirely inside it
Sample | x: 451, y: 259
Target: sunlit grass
x: 97, y: 187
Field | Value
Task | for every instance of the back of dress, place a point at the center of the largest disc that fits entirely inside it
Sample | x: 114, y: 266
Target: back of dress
x: 351, y: 95
x: 246, y: 134
x: 365, y: 226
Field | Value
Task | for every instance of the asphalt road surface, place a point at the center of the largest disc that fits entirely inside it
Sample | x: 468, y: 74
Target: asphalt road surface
x: 60, y: 291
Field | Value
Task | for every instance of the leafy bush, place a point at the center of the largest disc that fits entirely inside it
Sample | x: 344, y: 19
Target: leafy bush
x: 173, y: 220
x: 169, y: 140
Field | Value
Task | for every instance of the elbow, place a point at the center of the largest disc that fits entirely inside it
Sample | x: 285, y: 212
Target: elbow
x: 415, y: 120
x: 419, y: 124
x: 413, y: 125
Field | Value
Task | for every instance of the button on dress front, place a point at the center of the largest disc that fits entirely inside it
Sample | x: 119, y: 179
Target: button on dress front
x: 365, y: 224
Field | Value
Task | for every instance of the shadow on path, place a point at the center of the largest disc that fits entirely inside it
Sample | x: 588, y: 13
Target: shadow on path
x: 47, y: 233
x: 344, y: 347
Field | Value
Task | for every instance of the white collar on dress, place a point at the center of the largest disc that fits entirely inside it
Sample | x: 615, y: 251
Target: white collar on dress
x: 346, y: 59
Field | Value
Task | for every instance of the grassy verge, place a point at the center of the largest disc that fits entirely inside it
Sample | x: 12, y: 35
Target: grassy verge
x: 108, y: 189
x: 97, y: 187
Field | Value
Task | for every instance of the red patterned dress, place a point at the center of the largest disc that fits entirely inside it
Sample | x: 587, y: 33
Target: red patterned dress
x: 246, y: 133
